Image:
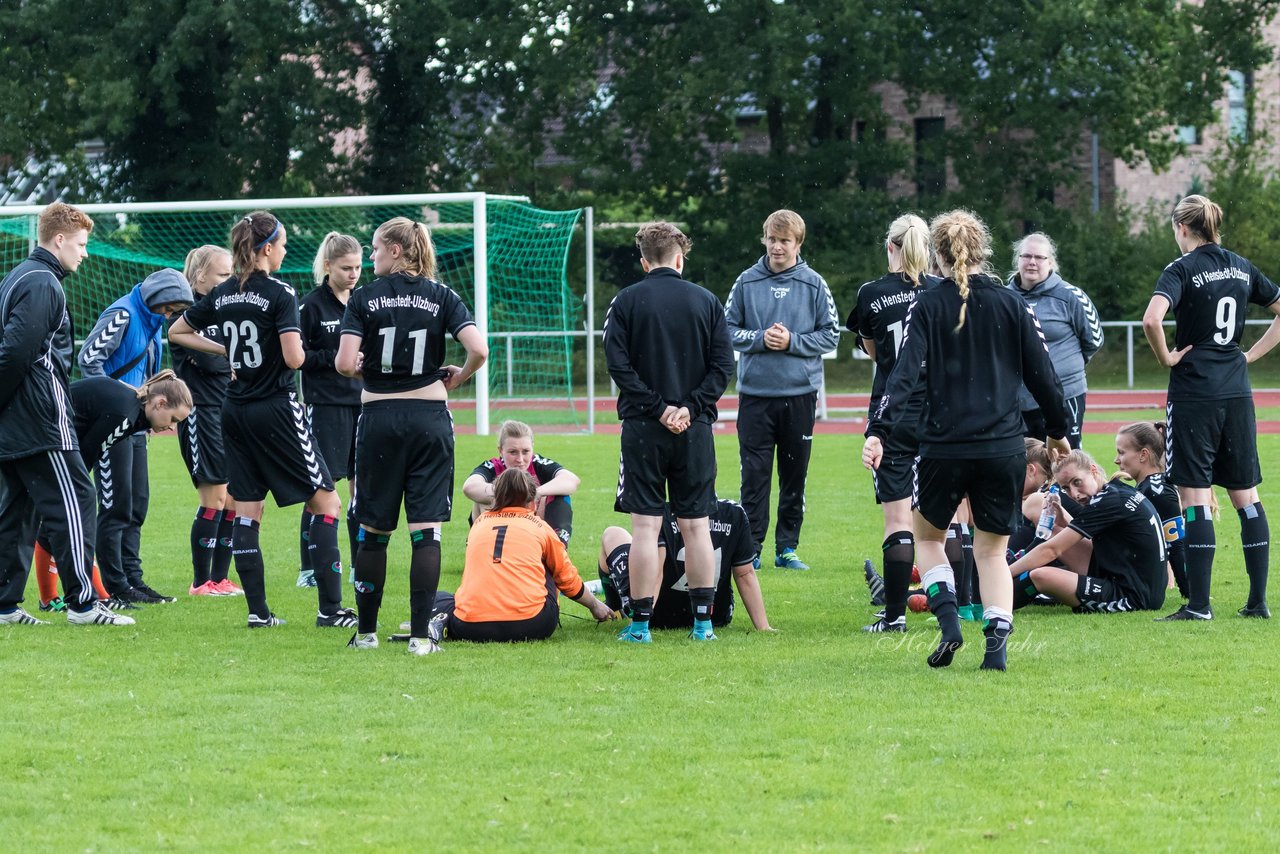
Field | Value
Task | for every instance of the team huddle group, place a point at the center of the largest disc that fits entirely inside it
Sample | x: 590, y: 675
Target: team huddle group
x: 977, y: 405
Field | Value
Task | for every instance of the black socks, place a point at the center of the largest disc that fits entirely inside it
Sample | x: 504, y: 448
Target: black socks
x: 221, y: 567
x: 424, y: 578
x: 939, y: 587
x: 899, y: 554
x: 248, y: 558
x: 996, y: 629
x: 701, y: 600
x: 954, y: 548
x: 204, y: 539
x: 325, y: 562
x: 304, y: 535
x: 1201, y: 545
x: 1024, y: 590
x: 371, y: 576
x: 1255, y: 543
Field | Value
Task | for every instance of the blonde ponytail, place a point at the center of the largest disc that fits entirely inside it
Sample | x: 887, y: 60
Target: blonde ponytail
x: 911, y: 235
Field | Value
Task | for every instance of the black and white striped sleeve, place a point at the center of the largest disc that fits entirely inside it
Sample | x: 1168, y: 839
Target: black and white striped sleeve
x: 103, y: 340
x: 1086, y: 322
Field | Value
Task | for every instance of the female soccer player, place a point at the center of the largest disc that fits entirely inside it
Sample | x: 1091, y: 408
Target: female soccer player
x: 973, y: 343
x: 515, y: 564
x: 269, y: 447
x: 515, y: 451
x: 1140, y: 455
x: 394, y: 334
x: 1211, y: 430
x: 333, y: 401
x: 1125, y: 567
x: 1070, y: 324
x: 200, y: 436
x: 879, y: 319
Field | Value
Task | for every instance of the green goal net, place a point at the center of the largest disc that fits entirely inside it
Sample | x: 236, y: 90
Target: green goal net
x: 531, y: 310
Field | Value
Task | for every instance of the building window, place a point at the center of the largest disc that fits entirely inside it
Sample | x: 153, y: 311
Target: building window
x: 872, y: 174
x: 1238, y: 83
x: 1189, y: 135
x: 931, y: 160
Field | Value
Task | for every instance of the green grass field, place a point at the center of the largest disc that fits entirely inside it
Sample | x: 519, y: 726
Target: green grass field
x: 189, y: 732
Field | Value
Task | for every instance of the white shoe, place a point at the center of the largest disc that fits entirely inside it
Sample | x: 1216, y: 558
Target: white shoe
x: 19, y: 617
x: 98, y: 615
x: 435, y: 628
x: 359, y: 641
x: 406, y: 626
x: 423, y: 646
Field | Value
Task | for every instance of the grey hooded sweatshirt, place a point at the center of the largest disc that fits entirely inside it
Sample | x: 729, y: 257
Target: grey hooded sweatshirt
x: 1072, y: 329
x: 800, y: 300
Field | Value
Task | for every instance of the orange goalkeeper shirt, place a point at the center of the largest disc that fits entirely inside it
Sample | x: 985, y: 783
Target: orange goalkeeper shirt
x: 510, y: 554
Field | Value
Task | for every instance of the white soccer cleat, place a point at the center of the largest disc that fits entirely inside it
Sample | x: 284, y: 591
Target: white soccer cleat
x: 423, y: 646
x: 98, y: 615
x: 359, y: 641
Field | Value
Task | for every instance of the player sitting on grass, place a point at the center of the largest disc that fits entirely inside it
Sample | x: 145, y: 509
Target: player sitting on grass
x: 1113, y: 546
x: 1140, y: 456
x: 515, y: 564
x: 515, y: 451
x: 734, y: 550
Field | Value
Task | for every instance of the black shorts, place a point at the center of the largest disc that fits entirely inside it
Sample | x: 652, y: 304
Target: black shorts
x: 270, y: 449
x: 404, y: 452
x: 538, y: 627
x: 994, y: 487
x: 200, y: 441
x: 656, y: 463
x: 1212, y: 442
x: 335, y: 430
x: 894, y: 480
x: 1103, y: 595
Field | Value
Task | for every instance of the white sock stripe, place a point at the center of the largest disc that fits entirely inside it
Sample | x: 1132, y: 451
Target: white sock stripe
x: 992, y: 612
x: 75, y: 524
x: 940, y: 574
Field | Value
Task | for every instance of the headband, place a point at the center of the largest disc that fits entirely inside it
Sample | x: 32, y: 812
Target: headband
x: 270, y: 237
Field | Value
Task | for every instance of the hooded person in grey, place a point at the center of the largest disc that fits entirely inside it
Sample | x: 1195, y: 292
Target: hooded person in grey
x: 127, y: 344
x: 1071, y: 326
x: 781, y: 319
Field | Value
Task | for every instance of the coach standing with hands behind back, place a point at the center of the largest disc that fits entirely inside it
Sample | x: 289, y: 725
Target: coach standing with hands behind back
x: 782, y: 319
x: 668, y: 351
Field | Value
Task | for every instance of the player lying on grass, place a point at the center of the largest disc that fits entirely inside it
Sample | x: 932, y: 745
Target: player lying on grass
x: 1113, y: 546
x: 515, y: 451
x: 734, y: 550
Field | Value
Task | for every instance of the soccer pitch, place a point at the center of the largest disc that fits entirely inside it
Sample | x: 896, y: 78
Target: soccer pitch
x: 189, y: 732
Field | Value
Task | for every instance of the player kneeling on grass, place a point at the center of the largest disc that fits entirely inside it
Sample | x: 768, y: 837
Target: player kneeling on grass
x: 515, y: 564
x: 734, y: 549
x: 1114, y: 546
x: 555, y: 483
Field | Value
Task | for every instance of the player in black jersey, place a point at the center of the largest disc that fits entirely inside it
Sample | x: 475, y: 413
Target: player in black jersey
x: 973, y: 343
x: 1140, y: 455
x: 393, y: 334
x: 734, y: 550
x: 879, y: 319
x: 332, y: 400
x: 200, y: 436
x: 555, y: 482
x: 1113, y: 545
x: 270, y: 448
x: 1212, y: 434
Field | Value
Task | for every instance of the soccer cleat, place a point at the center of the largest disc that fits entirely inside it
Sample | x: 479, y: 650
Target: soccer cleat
x: 134, y: 596
x: 54, y: 604
x: 1184, y: 613
x: 406, y: 626
x: 359, y: 641
x: 116, y: 604
x: 755, y: 562
x: 306, y: 578
x: 787, y: 559
x: 227, y: 587
x: 882, y: 625
x: 159, y: 598
x: 1042, y: 599
x: 970, y: 613
x: 98, y: 615
x: 343, y: 618
x: 256, y: 622
x: 629, y: 636
x: 206, y: 589
x: 874, y: 582
x: 705, y: 635
x: 1259, y: 611
x: 19, y: 617
x: 435, y: 628
x: 423, y: 646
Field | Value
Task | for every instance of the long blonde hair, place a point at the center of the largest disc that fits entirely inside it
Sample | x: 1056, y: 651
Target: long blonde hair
x: 333, y: 247
x: 200, y: 259
x: 417, y: 252
x: 961, y: 240
x: 910, y: 234
x: 1201, y: 216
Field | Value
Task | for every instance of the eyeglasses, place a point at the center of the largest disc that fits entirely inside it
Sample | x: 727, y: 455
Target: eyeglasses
x: 1028, y: 257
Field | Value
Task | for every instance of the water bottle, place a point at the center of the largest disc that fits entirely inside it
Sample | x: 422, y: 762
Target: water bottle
x: 1048, y: 514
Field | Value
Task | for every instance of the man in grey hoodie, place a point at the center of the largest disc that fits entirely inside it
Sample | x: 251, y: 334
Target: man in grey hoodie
x: 781, y: 318
x: 1071, y: 328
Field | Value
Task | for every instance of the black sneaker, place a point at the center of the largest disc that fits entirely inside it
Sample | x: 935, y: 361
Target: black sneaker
x: 135, y: 596
x: 343, y: 618
x: 875, y: 583
x: 882, y: 625
x: 1259, y: 611
x: 270, y: 621
x: 158, y: 597
x: 1184, y: 613
x: 118, y: 604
